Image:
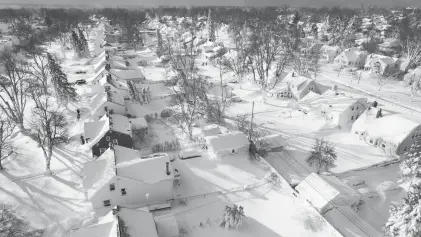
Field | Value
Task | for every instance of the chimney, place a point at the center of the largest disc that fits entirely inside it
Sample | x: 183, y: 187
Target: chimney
x: 379, y: 113
x: 116, y: 209
x: 168, y: 168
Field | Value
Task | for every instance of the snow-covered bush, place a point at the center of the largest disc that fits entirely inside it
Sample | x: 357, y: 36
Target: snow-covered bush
x: 166, y: 146
x: 166, y: 113
x: 232, y: 217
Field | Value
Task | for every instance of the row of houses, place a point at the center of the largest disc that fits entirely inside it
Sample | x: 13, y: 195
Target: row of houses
x: 392, y: 133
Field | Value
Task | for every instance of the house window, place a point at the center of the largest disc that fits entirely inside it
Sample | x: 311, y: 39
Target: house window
x: 352, y: 117
x: 376, y: 143
x: 233, y: 151
x: 107, y: 203
x: 105, y: 108
x: 112, y: 187
x: 101, y: 150
x: 115, y: 142
x: 107, y: 138
x: 123, y: 191
x: 110, y: 144
x: 352, y: 108
x: 371, y: 141
x: 383, y: 145
x: 107, y: 88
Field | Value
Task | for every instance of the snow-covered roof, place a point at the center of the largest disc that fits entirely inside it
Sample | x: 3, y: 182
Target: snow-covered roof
x: 139, y: 223
x: 120, y: 123
x: 327, y: 48
x: 123, y: 154
x: 112, y: 96
x: 227, y: 141
x: 390, y: 43
x: 386, y: 59
x: 96, y: 130
x: 94, y: 170
x: 103, y: 174
x: 138, y: 123
x: 331, y: 102
x: 146, y: 170
x: 167, y: 225
x: 127, y: 74
x: 392, y: 128
x: 108, y: 229
x: 317, y: 191
x: 211, y: 130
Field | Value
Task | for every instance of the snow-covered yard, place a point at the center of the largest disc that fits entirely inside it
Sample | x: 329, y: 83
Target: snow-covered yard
x: 269, y: 212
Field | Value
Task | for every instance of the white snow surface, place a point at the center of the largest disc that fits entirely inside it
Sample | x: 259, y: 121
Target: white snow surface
x: 227, y: 141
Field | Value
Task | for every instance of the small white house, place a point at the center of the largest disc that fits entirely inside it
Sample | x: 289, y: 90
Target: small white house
x: 139, y: 222
x: 380, y: 64
x: 297, y: 87
x: 326, y: 192
x: 110, y: 101
x: 392, y: 133
x: 338, y: 108
x: 211, y: 130
x: 329, y: 53
x: 137, y: 182
x: 351, y: 57
x: 228, y: 143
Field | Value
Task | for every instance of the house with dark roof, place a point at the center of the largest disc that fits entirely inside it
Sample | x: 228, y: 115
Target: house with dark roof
x: 105, y: 102
x: 110, y: 130
x: 114, y: 179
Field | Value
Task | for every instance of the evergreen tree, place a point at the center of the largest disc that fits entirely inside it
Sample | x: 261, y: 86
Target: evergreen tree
x: 322, y: 156
x: 405, y: 218
x: 211, y: 27
x: 64, y: 90
x: 159, y: 46
x: 75, y: 42
x: 83, y: 44
x: 410, y: 166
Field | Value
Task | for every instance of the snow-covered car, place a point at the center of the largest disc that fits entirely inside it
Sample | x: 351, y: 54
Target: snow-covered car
x: 80, y: 82
x: 190, y: 153
x: 236, y: 99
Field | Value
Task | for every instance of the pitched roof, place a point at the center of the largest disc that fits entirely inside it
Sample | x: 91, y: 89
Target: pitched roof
x: 138, y: 123
x: 167, y: 225
x: 123, y: 154
x: 96, y: 130
x: 127, y: 74
x: 146, y: 170
x: 105, y: 172
x: 112, y: 96
x: 108, y: 229
x: 139, y: 223
x: 320, y: 191
x: 120, y: 123
x: 398, y: 127
x: 227, y: 141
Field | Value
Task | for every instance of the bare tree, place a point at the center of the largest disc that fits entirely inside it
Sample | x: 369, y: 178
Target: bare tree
x: 39, y: 68
x: 323, y: 155
x: 14, y: 87
x: 49, y: 127
x: 384, y: 79
x: 272, y: 48
x: 7, y: 149
x: 411, y: 49
x: 357, y: 75
x: 415, y: 86
x: 13, y: 225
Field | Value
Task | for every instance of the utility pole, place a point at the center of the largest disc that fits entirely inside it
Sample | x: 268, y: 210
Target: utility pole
x: 251, y: 122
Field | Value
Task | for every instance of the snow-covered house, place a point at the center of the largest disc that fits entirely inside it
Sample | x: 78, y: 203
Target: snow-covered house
x: 380, y: 64
x: 211, y: 130
x: 390, y: 46
x: 326, y: 192
x: 297, y: 87
x: 138, y: 222
x: 108, y: 83
x: 114, y: 62
x: 338, y: 108
x: 110, y: 130
x: 228, y: 143
x: 351, y: 57
x: 111, y: 181
x: 134, y: 75
x: 392, y: 133
x: 412, y: 75
x: 329, y: 53
x: 107, y: 102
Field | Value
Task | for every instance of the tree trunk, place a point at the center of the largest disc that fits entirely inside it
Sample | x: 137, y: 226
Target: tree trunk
x: 1, y: 165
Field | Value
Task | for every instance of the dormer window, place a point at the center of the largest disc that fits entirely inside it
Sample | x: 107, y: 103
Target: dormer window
x: 115, y: 141
x: 112, y: 187
x: 107, y: 138
x: 123, y: 191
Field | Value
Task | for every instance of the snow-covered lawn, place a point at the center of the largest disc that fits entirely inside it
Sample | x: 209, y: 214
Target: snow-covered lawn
x: 269, y: 212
